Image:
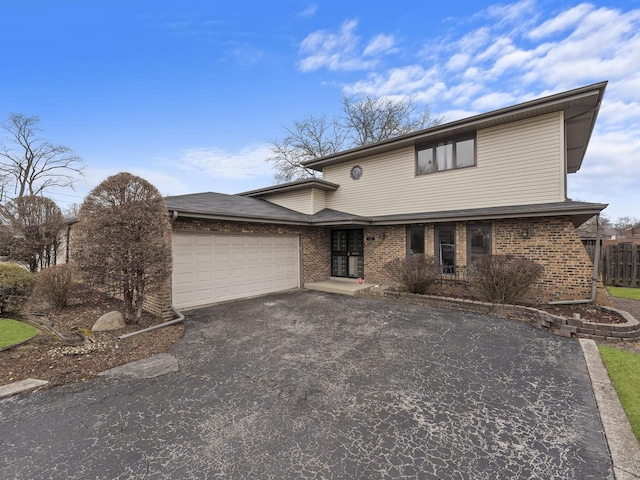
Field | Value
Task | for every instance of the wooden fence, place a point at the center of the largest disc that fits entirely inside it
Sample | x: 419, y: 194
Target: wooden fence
x: 620, y: 265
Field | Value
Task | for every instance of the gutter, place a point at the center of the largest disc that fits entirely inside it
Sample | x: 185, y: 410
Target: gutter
x: 595, y: 276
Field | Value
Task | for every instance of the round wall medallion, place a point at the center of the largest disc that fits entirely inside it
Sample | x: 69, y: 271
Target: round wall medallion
x: 356, y: 172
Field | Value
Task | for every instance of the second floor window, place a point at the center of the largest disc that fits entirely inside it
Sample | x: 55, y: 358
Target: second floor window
x: 447, y: 155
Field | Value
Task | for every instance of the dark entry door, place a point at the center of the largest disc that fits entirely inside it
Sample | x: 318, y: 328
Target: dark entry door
x: 347, y: 259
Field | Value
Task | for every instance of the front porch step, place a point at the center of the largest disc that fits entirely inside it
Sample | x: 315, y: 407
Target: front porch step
x: 342, y: 286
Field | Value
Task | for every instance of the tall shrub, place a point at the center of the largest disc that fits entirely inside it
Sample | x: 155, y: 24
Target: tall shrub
x: 414, y: 274
x: 16, y: 284
x: 503, y: 278
x: 123, y: 240
x: 55, y: 284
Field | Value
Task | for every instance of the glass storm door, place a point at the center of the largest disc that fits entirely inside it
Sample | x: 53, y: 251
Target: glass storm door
x: 347, y: 259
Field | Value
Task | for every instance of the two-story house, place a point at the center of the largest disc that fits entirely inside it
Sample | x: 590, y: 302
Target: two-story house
x: 494, y: 183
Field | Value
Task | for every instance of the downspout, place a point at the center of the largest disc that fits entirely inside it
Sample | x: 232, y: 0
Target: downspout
x: 155, y: 327
x: 594, y: 279
x: 180, y: 318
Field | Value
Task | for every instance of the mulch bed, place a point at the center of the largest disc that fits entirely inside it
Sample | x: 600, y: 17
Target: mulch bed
x: 48, y: 357
x: 587, y: 313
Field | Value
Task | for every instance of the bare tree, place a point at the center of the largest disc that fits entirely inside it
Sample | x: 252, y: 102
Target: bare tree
x: 364, y: 120
x: 123, y: 240
x: 313, y: 137
x: 370, y: 120
x: 590, y: 227
x: 31, y: 232
x: 30, y: 165
x: 623, y: 223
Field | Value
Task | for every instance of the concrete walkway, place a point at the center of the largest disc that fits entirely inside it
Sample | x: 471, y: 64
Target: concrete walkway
x: 343, y: 286
x: 314, y: 385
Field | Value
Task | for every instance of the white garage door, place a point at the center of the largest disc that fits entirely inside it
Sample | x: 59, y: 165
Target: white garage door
x: 210, y: 268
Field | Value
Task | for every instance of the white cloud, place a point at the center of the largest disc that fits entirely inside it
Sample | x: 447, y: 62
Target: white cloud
x: 219, y: 164
x: 515, y: 17
x: 562, y: 22
x: 380, y: 44
x: 331, y: 50
x: 245, y: 54
x: 493, y: 101
x: 458, y: 61
x: 310, y: 11
x: 342, y: 50
x: 403, y: 81
x: 610, y: 173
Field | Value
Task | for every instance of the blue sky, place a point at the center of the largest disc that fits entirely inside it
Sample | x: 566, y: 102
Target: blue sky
x: 187, y: 94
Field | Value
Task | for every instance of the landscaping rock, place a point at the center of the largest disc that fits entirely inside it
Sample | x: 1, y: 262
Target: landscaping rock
x: 109, y: 321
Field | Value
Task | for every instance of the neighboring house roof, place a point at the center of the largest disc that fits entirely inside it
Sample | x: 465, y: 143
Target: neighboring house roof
x: 303, y: 184
x: 580, y: 107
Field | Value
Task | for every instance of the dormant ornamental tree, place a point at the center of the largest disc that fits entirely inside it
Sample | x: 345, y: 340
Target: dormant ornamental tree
x: 30, y: 230
x: 123, y: 240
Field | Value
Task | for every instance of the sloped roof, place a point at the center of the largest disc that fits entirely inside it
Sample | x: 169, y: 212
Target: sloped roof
x: 303, y: 184
x: 580, y: 107
x: 219, y: 206
x: 232, y: 207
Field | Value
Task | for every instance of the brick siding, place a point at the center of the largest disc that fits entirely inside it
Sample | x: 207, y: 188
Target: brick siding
x: 551, y: 241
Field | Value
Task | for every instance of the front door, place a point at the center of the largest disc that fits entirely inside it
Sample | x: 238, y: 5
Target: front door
x: 347, y: 256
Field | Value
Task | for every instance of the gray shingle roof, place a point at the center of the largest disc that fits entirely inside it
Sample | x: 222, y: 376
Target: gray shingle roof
x: 232, y: 207
x: 221, y: 206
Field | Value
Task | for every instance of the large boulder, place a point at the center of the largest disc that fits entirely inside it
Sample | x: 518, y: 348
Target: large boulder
x: 109, y: 321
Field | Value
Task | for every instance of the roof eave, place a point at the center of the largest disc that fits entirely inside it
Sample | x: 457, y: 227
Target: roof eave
x: 291, y: 187
x: 470, y: 123
x: 571, y: 211
x: 237, y: 218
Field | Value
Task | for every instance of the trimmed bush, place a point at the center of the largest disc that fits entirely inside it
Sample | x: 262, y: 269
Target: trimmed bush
x: 56, y: 284
x: 16, y: 285
x: 414, y: 274
x: 503, y: 278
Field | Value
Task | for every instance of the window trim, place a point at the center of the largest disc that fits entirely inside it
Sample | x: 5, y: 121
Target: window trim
x: 418, y: 228
x: 452, y: 141
x: 479, y: 224
x: 438, y: 228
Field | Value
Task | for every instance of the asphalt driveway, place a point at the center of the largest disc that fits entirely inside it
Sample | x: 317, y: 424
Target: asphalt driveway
x: 312, y: 385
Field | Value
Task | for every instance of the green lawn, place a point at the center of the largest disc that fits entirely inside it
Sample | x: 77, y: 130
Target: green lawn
x: 625, y: 292
x: 12, y: 332
x: 624, y: 371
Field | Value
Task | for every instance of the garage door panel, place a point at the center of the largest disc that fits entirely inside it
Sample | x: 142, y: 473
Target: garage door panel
x: 211, y: 268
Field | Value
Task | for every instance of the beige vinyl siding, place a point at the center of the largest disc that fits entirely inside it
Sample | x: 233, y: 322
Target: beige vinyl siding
x: 307, y: 201
x: 318, y: 200
x: 517, y: 164
x: 299, y: 200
